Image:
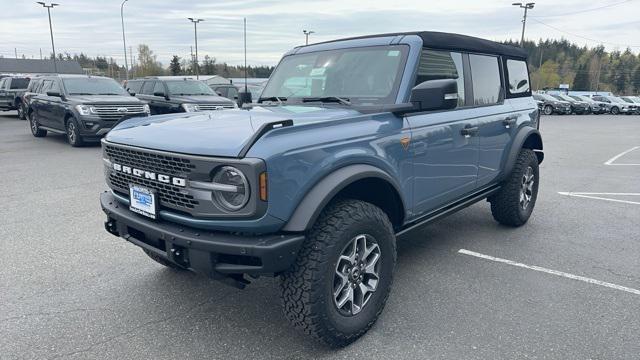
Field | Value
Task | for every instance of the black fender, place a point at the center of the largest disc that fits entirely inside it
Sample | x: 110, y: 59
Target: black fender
x: 328, y: 187
x: 527, y: 137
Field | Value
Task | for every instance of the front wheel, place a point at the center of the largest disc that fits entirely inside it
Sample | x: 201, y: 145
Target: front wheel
x: 514, y: 202
x: 615, y: 111
x: 548, y: 110
x: 73, y: 133
x: 21, y: 111
x: 342, y: 277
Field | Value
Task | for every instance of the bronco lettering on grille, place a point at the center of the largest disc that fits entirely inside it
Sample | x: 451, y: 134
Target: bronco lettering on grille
x: 166, y: 179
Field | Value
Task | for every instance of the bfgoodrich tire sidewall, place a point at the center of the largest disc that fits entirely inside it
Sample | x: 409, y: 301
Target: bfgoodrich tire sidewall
x: 353, y: 324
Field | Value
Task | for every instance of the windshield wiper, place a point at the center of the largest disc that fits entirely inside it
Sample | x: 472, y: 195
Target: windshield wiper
x: 81, y: 93
x: 327, y: 99
x: 279, y: 99
x: 108, y: 94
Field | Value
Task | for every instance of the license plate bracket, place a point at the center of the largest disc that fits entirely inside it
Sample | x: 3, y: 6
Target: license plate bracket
x: 143, y: 201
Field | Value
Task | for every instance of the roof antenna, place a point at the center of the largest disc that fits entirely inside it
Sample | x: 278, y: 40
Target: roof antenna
x: 245, y: 96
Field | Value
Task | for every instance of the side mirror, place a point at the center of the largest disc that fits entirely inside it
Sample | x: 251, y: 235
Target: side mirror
x: 54, y: 93
x: 244, y: 98
x: 132, y: 93
x: 159, y: 94
x: 439, y: 94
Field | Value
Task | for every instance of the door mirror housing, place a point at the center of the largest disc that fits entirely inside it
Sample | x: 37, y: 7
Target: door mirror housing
x: 54, y: 93
x: 433, y: 95
x: 161, y: 94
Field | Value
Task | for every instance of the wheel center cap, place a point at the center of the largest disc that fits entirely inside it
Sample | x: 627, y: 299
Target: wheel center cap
x: 355, y: 273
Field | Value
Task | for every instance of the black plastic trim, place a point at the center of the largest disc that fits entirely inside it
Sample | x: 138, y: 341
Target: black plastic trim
x: 265, y: 128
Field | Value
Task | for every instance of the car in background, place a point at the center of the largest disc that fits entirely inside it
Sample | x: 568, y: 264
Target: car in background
x: 167, y: 96
x: 634, y: 100
x: 25, y: 98
x: 11, y: 89
x: 617, y: 105
x: 597, y: 107
x: 578, y: 107
x: 231, y: 91
x: 82, y: 107
x: 552, y: 105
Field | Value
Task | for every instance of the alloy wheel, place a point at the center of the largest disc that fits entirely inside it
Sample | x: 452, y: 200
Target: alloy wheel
x: 34, y: 124
x: 526, y: 190
x: 71, y: 132
x: 356, y: 275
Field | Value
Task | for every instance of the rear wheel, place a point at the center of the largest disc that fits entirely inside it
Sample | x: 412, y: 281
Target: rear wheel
x: 73, y: 134
x: 342, y: 277
x: 514, y: 203
x: 615, y: 110
x: 35, y: 127
x: 548, y: 110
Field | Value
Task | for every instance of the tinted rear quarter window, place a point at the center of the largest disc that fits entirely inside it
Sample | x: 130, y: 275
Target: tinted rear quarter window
x: 485, y: 75
x: 147, y: 88
x: 436, y: 65
x: 134, y: 86
x: 518, y: 76
x: 158, y: 88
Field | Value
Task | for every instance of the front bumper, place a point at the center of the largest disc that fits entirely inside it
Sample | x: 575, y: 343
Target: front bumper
x: 215, y: 254
x: 92, y: 126
x: 562, y: 109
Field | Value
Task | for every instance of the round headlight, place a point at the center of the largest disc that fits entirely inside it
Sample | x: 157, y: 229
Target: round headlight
x: 236, y: 194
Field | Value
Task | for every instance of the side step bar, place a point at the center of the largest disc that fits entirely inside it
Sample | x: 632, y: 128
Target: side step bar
x: 448, y: 210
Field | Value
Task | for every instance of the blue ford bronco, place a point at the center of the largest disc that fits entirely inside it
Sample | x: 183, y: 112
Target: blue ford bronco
x: 352, y: 144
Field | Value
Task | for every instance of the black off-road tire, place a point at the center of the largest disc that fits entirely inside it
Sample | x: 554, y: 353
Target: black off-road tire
x: 308, y: 286
x: 35, y: 127
x: 162, y: 261
x: 506, y: 206
x: 73, y: 133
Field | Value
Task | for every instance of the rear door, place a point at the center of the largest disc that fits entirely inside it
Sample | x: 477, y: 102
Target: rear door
x: 57, y: 106
x: 41, y: 103
x: 444, y: 144
x: 4, y: 93
x: 496, y: 118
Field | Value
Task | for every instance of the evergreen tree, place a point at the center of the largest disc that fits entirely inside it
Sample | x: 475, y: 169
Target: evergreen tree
x: 174, y: 66
x: 581, y: 81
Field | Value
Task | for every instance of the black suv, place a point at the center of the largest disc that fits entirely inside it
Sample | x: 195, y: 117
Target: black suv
x: 11, y: 89
x: 82, y: 107
x: 166, y: 96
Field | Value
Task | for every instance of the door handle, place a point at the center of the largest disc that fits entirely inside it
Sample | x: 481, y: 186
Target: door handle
x: 510, y: 121
x: 469, y: 131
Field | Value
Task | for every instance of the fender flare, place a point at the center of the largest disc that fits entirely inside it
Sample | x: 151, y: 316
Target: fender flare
x: 526, y: 137
x: 308, y: 210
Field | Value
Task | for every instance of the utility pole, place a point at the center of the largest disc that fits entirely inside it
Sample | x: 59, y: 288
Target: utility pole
x: 16, y: 51
x: 195, y: 33
x: 124, y: 42
x: 53, y: 46
x: 40, y: 53
x: 131, y: 59
x: 306, y: 36
x: 526, y: 7
x: 540, y: 68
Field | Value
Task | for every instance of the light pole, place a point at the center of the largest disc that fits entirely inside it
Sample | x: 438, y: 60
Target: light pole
x: 195, y: 33
x: 306, y: 36
x: 124, y: 42
x: 526, y: 7
x: 55, y: 65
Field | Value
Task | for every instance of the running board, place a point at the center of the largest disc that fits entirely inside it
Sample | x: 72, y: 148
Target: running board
x: 52, y: 130
x: 449, y: 209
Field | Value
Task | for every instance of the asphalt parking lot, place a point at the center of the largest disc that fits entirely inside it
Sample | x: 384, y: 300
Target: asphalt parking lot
x: 70, y: 290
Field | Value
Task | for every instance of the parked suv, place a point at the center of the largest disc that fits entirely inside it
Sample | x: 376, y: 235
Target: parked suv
x: 634, y: 102
x: 353, y: 143
x: 596, y: 107
x: 11, y: 89
x: 578, y: 107
x: 616, y: 105
x: 166, y: 96
x: 82, y: 107
x: 551, y: 105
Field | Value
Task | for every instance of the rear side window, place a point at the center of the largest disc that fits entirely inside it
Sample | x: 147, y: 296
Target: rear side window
x: 158, y: 88
x: 436, y: 65
x: 2, y: 82
x: 19, y: 83
x: 485, y: 75
x: 518, y: 76
x: 147, y: 88
x: 134, y: 86
x: 46, y: 86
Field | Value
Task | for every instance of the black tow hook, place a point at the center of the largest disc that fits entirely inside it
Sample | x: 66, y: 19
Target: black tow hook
x: 110, y: 226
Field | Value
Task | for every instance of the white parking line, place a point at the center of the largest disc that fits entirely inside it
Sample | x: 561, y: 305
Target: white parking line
x: 588, y: 195
x: 550, y: 271
x: 610, y: 161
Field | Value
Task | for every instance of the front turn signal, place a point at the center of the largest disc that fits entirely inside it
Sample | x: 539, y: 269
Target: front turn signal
x: 263, y: 186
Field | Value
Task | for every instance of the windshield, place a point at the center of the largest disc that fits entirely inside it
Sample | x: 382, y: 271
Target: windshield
x: 19, y: 83
x: 627, y: 100
x: 615, y: 99
x: 547, y: 97
x: 365, y: 76
x: 578, y: 98
x: 558, y: 97
x: 93, y: 86
x: 188, y: 87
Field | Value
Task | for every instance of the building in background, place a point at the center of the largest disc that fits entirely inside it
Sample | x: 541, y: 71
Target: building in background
x: 36, y: 66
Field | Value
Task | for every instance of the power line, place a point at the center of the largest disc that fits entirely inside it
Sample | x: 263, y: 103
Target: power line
x: 584, y: 11
x: 584, y: 37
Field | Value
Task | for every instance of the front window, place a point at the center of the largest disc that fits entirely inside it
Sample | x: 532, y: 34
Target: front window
x: 188, y: 87
x: 92, y: 86
x: 364, y: 76
x: 19, y: 83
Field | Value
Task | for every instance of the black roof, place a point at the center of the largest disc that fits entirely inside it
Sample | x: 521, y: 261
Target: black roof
x: 449, y: 41
x: 36, y: 66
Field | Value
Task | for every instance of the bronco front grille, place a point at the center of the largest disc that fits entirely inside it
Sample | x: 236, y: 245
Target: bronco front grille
x: 169, y: 195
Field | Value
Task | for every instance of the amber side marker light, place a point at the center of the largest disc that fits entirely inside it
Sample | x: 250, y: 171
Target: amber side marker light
x: 263, y: 186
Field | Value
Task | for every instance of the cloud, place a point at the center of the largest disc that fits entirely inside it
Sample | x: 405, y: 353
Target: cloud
x: 275, y: 26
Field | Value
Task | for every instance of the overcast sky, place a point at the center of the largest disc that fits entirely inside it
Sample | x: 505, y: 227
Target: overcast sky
x: 274, y: 26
